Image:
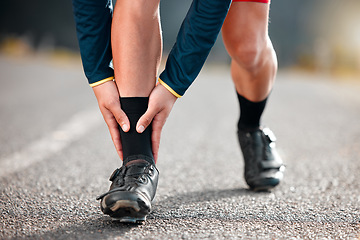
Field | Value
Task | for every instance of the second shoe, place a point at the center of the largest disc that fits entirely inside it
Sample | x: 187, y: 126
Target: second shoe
x: 263, y: 166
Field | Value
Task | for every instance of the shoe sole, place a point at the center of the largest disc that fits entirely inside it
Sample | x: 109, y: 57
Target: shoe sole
x: 130, y: 220
x: 265, y: 185
x: 126, y: 211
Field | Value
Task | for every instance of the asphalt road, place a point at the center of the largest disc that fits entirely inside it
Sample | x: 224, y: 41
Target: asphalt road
x: 56, y: 156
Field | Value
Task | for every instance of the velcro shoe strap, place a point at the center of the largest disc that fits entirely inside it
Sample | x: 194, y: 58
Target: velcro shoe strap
x: 270, y: 165
x: 269, y: 134
x: 115, y: 174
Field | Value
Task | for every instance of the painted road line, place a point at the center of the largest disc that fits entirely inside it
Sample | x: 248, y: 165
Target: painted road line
x: 41, y: 149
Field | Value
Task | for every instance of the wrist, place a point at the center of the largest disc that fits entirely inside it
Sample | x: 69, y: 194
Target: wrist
x: 107, y: 90
x: 167, y: 95
x: 95, y: 84
x: 169, y: 89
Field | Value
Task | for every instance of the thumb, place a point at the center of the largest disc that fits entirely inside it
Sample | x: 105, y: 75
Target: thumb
x: 145, y: 120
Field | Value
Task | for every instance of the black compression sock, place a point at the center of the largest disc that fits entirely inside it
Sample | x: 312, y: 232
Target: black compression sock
x: 135, y: 145
x: 250, y: 113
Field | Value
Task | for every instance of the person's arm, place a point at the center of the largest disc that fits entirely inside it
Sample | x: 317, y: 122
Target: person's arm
x: 195, y: 39
x: 93, y: 26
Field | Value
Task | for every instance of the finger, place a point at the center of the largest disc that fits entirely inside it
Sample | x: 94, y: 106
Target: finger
x: 119, y: 115
x: 157, y: 126
x: 115, y: 136
x: 146, y: 119
x: 155, y: 142
x: 114, y: 132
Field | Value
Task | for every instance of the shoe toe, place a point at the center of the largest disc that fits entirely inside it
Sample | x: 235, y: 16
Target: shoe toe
x: 121, y: 200
x: 266, y: 180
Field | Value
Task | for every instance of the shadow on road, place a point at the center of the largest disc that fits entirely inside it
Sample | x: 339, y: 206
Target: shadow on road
x: 198, y: 204
x: 168, y: 208
x: 205, y: 196
x: 97, y: 228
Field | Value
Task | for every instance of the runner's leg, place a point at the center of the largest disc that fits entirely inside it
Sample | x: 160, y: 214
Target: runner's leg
x: 253, y: 69
x: 254, y: 63
x: 137, y: 46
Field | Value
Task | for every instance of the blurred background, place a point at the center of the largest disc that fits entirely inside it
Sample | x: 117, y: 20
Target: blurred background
x: 56, y: 153
x: 321, y: 35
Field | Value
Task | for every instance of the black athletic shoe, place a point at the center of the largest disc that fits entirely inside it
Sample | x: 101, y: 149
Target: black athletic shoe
x: 132, y: 190
x: 263, y: 165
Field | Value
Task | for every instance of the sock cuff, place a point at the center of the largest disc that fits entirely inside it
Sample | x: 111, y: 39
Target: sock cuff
x: 131, y: 105
x: 250, y: 112
x: 247, y: 101
x: 147, y: 158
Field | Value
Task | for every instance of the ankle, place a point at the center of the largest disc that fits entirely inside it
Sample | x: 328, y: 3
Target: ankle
x: 136, y: 145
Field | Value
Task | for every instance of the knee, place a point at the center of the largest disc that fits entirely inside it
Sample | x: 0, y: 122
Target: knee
x: 249, y: 54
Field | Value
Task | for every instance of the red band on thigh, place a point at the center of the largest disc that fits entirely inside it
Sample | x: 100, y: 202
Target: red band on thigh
x: 259, y: 1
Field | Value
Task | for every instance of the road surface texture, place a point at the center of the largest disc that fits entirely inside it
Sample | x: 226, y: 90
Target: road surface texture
x: 56, y: 156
